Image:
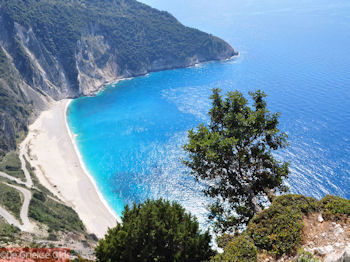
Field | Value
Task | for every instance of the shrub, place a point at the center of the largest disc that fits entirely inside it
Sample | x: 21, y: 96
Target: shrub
x: 7, y: 231
x: 10, y: 198
x: 56, y: 216
x: 224, y: 240
x: 304, y: 204
x: 39, y: 195
x: 304, y: 256
x: 11, y: 165
x: 242, y: 248
x: 277, y: 229
x: 155, y: 231
x: 334, y: 207
x: 52, y: 237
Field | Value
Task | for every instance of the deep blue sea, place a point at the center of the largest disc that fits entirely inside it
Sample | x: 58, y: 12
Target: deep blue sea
x: 298, y: 52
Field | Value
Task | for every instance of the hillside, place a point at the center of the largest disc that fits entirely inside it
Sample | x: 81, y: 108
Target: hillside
x: 54, y: 49
x: 293, y: 228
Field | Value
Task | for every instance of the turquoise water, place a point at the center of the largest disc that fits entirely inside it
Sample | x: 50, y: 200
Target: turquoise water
x: 131, y: 134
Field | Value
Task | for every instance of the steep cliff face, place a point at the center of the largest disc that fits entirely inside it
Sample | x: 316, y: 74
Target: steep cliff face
x: 55, y: 49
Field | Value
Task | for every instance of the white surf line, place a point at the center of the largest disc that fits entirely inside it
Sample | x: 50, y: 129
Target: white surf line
x: 26, y: 224
x: 83, y: 166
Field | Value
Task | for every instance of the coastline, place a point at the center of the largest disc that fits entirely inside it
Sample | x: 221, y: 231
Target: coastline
x: 95, y: 212
x: 83, y: 166
x: 113, y: 81
x: 51, y: 149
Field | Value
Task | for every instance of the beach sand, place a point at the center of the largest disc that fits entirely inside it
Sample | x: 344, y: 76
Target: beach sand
x: 52, y: 152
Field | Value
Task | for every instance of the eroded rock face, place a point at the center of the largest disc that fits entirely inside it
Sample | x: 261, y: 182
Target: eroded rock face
x: 46, y: 54
x: 342, y: 256
x: 329, y: 241
x: 96, y: 63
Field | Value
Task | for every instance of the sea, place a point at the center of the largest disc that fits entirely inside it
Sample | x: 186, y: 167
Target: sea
x: 131, y: 135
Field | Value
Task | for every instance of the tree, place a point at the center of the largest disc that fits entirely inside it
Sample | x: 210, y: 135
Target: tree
x: 155, y: 231
x: 233, y: 158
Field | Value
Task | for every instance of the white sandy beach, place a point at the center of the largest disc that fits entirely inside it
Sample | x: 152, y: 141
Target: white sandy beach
x: 58, y: 167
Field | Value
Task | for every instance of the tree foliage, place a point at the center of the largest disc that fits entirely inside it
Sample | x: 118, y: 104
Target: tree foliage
x: 240, y: 249
x: 233, y: 156
x: 277, y: 229
x: 335, y: 208
x: 155, y: 231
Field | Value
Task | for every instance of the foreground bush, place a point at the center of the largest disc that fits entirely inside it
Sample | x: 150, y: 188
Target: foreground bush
x: 300, y: 203
x: 242, y: 248
x: 277, y: 230
x: 155, y: 231
x: 335, y: 208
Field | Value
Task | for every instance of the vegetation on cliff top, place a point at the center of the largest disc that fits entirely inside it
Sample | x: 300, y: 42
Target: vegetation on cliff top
x: 162, y: 231
x: 155, y: 231
x: 278, y: 229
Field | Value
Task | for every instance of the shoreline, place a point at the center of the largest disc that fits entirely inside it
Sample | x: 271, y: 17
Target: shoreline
x: 51, y: 149
x: 114, y: 81
x: 83, y: 166
x: 46, y: 168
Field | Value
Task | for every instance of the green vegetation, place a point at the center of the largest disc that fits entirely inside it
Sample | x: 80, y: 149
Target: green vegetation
x: 162, y: 231
x: 278, y: 229
x: 56, y: 216
x: 47, y: 209
x: 7, y: 232
x: 10, y: 198
x: 155, y: 231
x: 233, y: 156
x: 241, y: 249
x: 37, y: 185
x: 299, y: 203
x: 139, y: 33
x: 335, y: 208
x: 11, y: 165
x: 304, y: 256
x: 14, y: 109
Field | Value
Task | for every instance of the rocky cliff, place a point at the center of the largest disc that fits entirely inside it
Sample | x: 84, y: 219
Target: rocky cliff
x: 294, y: 228
x: 55, y: 49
